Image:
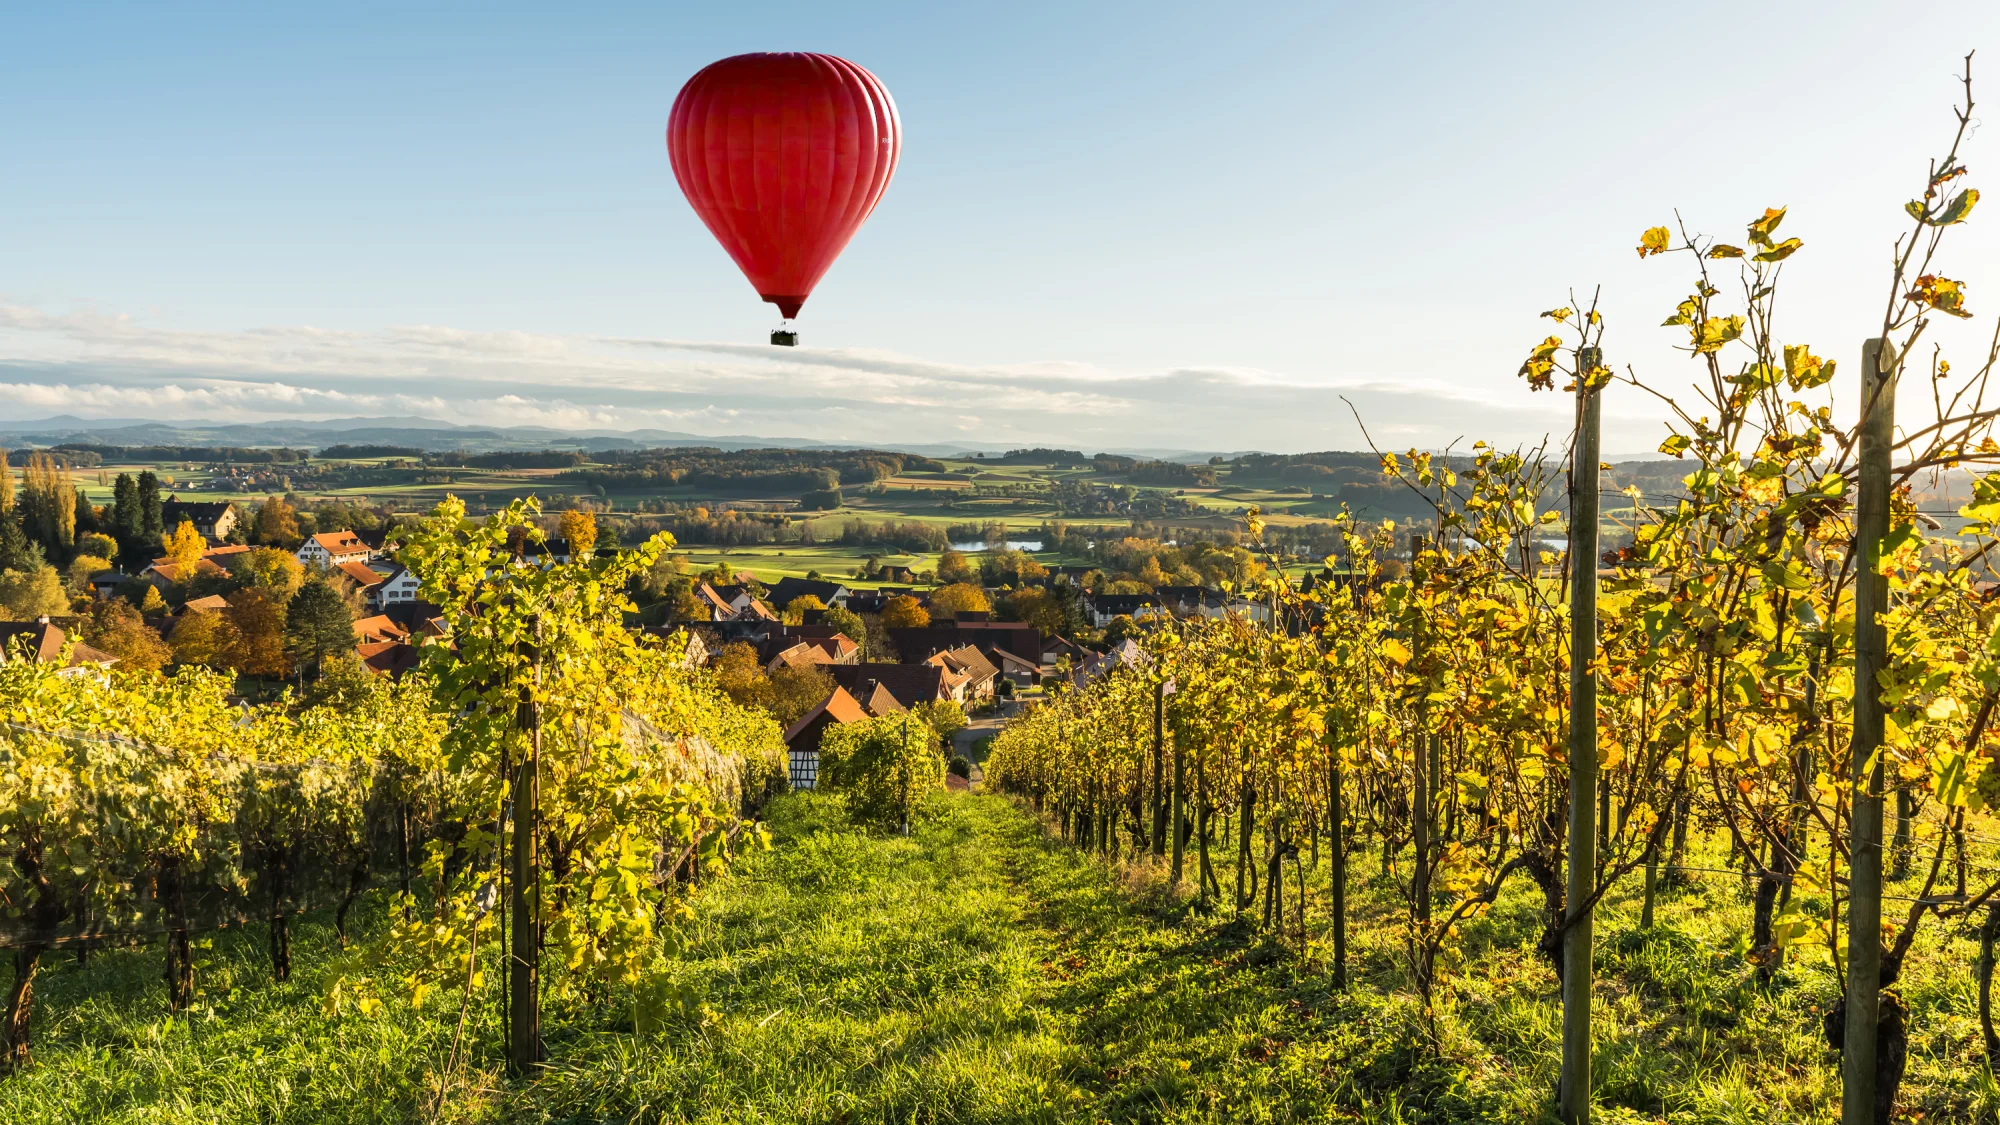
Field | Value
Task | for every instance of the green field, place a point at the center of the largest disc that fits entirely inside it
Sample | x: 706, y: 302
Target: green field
x: 979, y: 972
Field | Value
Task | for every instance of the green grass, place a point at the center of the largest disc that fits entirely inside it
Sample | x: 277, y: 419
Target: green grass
x: 979, y: 972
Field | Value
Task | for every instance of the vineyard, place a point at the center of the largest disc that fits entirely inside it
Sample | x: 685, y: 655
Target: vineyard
x: 544, y: 791
x: 1785, y: 650
x: 1702, y: 828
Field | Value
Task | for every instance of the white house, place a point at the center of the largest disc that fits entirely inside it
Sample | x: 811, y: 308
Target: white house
x: 399, y: 588
x: 331, y: 548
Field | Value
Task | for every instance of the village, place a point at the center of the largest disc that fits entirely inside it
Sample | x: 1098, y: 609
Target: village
x: 841, y: 653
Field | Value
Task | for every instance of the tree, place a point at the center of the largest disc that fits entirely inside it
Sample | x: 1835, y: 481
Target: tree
x: 80, y: 570
x: 318, y: 623
x: 1121, y: 629
x: 17, y: 551
x: 795, y: 610
x: 151, y: 525
x: 953, y: 567
x: 184, y: 550
x: 127, y: 524
x: 271, y: 569
x: 1011, y: 568
x: 904, y: 612
x: 150, y: 601
x: 97, y: 545
x: 957, y: 598
x: 258, y: 619
x: 28, y: 594
x: 740, y: 675
x: 204, y: 638
x: 579, y: 530
x: 343, y: 684
x: 48, y: 503
x: 849, y: 623
x: 796, y: 690
x: 1036, y: 606
x: 277, y: 523
x: 117, y: 628
x: 659, y: 580
x: 944, y: 716
x: 6, y: 485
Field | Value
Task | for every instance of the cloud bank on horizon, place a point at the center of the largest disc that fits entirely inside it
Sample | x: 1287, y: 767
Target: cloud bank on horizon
x: 93, y: 364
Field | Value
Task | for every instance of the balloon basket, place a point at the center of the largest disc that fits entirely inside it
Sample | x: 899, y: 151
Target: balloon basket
x: 784, y: 338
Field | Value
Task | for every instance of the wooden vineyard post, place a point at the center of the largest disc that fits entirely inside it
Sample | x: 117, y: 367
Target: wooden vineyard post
x: 1864, y: 908
x: 1573, y: 1094
x: 1420, y: 798
x: 524, y: 1030
x: 1179, y: 811
x: 1159, y: 769
x: 1337, y: 859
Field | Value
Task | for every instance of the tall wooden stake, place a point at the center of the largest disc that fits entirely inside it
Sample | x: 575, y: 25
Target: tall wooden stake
x: 1337, y: 861
x: 1159, y: 769
x: 1573, y: 1096
x: 524, y: 1032
x: 1871, y: 601
x: 1420, y: 801
x: 903, y: 774
x: 1180, y: 814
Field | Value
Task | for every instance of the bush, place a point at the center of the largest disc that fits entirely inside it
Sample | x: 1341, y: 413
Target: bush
x: 883, y: 767
x: 796, y: 815
x: 820, y: 500
x: 767, y: 773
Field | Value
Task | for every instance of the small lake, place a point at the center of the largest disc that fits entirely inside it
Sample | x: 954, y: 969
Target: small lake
x: 1010, y: 545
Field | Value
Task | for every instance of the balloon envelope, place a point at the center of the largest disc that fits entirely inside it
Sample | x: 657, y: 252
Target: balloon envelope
x: 784, y: 156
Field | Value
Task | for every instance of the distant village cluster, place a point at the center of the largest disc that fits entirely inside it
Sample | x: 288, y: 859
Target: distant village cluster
x: 241, y: 582
x: 891, y: 649
x: 317, y: 601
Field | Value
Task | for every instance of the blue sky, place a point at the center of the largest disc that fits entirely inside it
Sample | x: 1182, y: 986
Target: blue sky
x: 1158, y: 225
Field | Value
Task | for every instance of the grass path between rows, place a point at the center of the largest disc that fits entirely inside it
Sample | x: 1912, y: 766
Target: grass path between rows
x: 975, y: 972
x: 980, y: 972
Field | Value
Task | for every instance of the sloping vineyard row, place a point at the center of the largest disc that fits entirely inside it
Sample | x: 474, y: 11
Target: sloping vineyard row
x: 134, y: 808
x: 1422, y: 699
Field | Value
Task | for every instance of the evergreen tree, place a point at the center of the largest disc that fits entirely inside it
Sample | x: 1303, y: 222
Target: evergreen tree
x: 125, y: 520
x: 16, y: 551
x: 128, y: 525
x: 151, y: 525
x: 88, y: 516
x: 318, y: 623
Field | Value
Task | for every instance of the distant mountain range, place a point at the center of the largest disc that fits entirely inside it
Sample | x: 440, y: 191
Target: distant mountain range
x: 441, y: 437
x: 435, y: 436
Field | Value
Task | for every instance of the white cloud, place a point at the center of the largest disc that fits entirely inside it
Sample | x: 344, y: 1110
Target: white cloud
x: 92, y: 363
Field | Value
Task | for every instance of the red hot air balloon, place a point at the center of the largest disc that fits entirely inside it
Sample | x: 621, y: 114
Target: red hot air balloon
x: 784, y: 156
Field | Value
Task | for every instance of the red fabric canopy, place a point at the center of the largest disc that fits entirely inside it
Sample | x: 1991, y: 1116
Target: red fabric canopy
x: 784, y: 156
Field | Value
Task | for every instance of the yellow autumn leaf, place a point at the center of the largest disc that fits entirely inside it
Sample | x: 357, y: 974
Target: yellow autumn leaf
x: 1654, y: 241
x: 1762, y: 229
x: 1780, y: 251
x: 1711, y: 334
x: 1396, y: 650
x: 1941, y: 293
